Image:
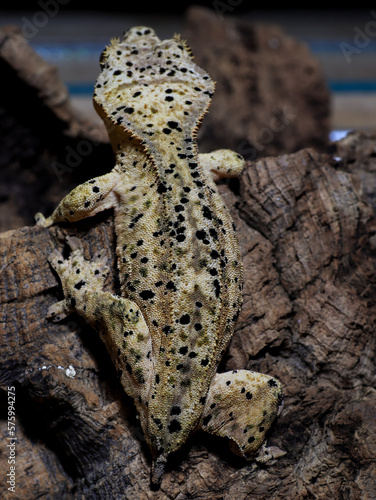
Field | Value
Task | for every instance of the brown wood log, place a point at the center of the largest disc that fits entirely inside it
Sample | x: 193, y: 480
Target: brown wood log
x: 306, y: 235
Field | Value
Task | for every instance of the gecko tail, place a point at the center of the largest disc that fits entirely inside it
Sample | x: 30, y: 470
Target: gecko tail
x: 157, y: 470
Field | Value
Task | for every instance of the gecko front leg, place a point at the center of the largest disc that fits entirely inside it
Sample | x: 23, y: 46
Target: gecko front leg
x: 87, y: 199
x: 222, y: 163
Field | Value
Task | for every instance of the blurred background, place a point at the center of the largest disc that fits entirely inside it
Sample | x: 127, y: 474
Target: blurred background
x: 71, y: 36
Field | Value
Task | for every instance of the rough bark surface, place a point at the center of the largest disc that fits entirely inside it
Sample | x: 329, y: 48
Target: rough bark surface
x: 45, y: 147
x: 271, y: 96
x: 307, y: 236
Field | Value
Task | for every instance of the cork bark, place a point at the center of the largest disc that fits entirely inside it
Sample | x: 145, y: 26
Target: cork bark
x: 306, y: 229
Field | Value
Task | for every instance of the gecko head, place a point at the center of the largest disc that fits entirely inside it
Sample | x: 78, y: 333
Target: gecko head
x: 135, y: 40
x: 146, y: 83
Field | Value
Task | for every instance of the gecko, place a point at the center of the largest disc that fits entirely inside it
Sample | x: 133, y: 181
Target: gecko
x: 178, y: 257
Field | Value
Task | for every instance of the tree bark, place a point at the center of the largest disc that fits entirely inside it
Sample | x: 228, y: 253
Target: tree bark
x: 307, y: 239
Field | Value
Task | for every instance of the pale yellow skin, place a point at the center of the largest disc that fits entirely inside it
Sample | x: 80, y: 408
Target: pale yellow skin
x: 178, y: 258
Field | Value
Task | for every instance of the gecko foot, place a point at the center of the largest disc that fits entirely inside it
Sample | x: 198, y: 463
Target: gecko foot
x: 76, y: 275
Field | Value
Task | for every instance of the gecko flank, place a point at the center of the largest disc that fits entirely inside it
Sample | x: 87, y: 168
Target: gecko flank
x: 178, y: 258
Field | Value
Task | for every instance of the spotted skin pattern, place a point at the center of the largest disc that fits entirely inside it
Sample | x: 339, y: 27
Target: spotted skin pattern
x: 178, y: 258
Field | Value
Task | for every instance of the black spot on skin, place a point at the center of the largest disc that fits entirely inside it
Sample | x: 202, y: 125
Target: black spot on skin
x: 157, y: 379
x: 201, y: 234
x: 203, y: 400
x: 161, y: 188
x: 228, y: 382
x: 147, y: 294
x: 206, y: 212
x: 192, y: 354
x: 272, y: 383
x: 175, y: 410
x: 79, y: 285
x: 172, y: 124
x: 117, y: 72
x: 166, y: 130
x: 251, y: 439
x: 249, y: 395
x: 96, y: 189
x: 185, y: 319
x: 158, y: 422
x: 217, y: 287
x: 183, y: 350
x: 171, y: 286
x: 174, y: 426
x: 166, y: 329
x: 214, y: 254
x: 198, y: 327
x: 205, y: 362
x: 206, y: 420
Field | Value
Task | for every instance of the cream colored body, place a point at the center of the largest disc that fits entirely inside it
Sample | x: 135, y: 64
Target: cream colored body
x: 178, y: 258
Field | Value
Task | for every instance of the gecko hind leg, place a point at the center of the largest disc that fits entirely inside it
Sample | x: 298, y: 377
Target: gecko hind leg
x: 92, y: 274
x: 242, y: 405
x: 119, y: 321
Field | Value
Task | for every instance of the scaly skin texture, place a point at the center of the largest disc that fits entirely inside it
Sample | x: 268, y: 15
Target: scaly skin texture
x: 178, y: 258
